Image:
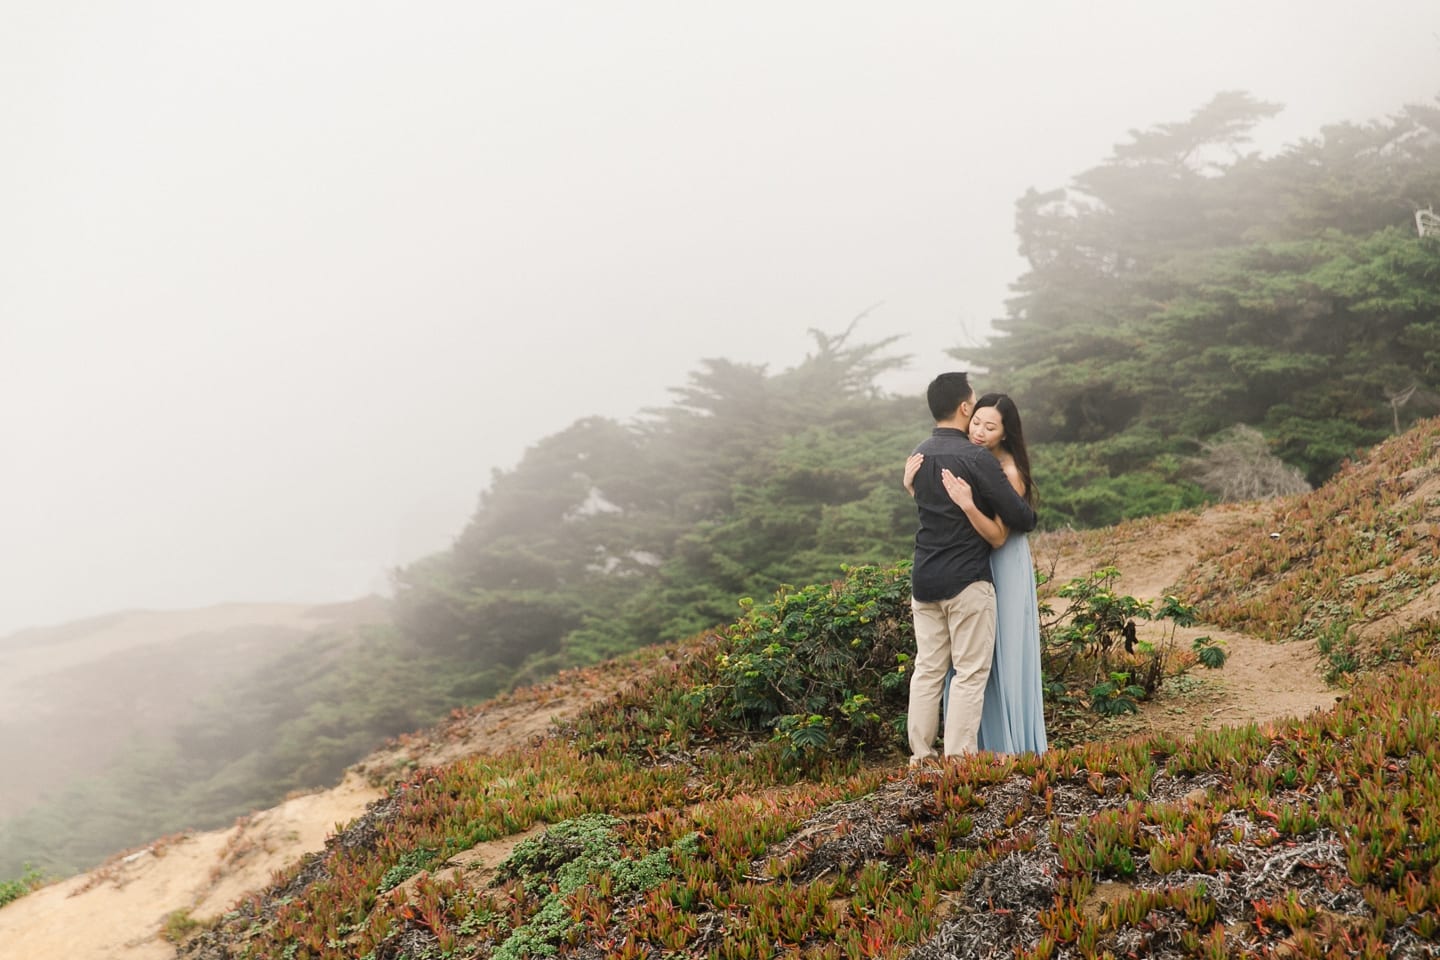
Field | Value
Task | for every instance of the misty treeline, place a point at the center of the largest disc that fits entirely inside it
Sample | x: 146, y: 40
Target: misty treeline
x: 1181, y: 289
x: 1187, y: 285
x: 608, y: 536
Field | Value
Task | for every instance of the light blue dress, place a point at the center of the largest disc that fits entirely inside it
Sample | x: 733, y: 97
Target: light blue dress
x: 1012, y: 719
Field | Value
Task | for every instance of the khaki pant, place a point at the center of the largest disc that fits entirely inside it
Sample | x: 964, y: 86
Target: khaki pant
x: 959, y: 632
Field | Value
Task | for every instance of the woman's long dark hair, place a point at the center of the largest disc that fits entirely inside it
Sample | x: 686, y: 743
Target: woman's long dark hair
x: 1014, y: 442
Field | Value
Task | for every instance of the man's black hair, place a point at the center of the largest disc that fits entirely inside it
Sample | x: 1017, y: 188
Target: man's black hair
x: 945, y: 394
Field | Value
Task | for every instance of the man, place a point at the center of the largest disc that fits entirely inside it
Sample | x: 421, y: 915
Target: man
x: 952, y: 595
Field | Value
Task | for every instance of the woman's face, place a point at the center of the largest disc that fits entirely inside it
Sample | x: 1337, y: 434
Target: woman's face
x: 986, y: 428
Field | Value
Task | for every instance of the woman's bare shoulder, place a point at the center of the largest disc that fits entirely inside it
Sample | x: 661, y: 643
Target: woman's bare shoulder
x: 1012, y: 473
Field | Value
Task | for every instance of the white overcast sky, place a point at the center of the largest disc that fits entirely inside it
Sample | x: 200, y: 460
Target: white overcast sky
x: 281, y: 283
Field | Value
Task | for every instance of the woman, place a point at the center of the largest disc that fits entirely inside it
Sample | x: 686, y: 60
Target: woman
x: 1013, y: 714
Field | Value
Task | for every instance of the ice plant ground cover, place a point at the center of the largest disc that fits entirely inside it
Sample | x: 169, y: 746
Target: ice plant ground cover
x: 1302, y: 835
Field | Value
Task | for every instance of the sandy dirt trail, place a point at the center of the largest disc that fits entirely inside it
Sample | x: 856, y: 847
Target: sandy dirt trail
x: 1260, y: 681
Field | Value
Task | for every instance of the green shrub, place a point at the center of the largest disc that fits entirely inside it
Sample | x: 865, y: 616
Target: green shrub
x: 826, y: 668
x: 11, y: 890
x: 1093, y: 643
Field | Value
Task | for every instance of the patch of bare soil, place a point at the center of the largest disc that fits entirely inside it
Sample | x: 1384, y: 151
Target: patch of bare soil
x: 1152, y: 554
x: 1260, y: 681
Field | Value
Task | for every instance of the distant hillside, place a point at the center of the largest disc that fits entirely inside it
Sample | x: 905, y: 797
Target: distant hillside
x: 72, y: 696
x: 84, y: 702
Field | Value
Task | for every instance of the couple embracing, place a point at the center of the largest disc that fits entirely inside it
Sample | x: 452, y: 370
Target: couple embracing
x: 977, y: 633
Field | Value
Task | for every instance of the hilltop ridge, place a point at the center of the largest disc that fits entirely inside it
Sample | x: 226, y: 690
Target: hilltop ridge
x: 119, y: 909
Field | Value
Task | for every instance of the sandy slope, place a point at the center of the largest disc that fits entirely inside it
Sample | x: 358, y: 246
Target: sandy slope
x: 119, y: 909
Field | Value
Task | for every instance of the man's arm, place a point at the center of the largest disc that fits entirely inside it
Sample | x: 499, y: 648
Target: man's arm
x: 992, y: 487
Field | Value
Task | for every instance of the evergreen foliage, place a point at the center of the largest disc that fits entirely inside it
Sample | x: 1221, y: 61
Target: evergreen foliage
x: 610, y: 536
x: 1185, y: 286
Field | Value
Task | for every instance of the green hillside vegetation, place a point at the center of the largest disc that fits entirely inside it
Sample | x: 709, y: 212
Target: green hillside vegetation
x: 682, y: 819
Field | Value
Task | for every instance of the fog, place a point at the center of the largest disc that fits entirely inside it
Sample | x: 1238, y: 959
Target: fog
x: 281, y: 284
